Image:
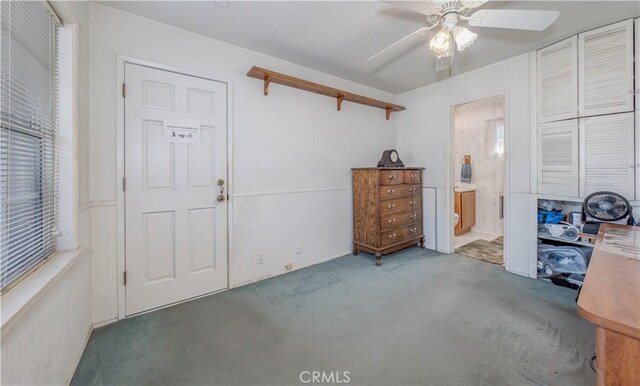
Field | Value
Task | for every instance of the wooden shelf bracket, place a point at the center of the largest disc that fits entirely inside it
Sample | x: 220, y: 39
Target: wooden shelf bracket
x: 267, y: 80
x: 389, y: 110
x: 268, y: 77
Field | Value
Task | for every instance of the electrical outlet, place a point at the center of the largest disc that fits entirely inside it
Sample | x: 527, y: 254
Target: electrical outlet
x: 289, y: 266
x: 298, y: 248
x: 260, y: 258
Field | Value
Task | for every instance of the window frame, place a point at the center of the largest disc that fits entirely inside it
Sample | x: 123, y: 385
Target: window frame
x: 45, y: 195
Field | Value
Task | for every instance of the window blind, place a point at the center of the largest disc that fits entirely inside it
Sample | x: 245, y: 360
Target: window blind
x: 28, y: 125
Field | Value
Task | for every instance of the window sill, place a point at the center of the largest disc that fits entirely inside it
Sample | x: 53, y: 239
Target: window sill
x: 19, y: 299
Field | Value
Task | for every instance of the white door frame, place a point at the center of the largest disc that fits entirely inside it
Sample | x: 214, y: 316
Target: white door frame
x: 120, y: 126
x: 451, y: 177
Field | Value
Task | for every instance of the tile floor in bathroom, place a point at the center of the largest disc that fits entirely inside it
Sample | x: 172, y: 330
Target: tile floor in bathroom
x: 470, y: 236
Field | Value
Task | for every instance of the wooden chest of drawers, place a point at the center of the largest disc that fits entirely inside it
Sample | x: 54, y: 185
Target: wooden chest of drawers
x: 387, y: 210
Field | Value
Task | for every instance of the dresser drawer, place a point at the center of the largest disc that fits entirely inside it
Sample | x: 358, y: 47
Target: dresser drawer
x: 414, y: 231
x: 400, y: 235
x: 400, y: 220
x: 412, y: 176
x: 400, y: 205
x: 392, y: 191
x: 390, y: 177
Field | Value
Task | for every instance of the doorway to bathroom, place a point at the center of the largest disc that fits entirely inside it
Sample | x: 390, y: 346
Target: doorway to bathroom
x: 479, y: 174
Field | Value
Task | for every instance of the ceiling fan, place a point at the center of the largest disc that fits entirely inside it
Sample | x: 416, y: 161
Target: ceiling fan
x: 449, y: 15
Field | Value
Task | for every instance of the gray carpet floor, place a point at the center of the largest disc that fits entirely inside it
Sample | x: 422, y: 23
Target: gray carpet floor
x: 420, y: 318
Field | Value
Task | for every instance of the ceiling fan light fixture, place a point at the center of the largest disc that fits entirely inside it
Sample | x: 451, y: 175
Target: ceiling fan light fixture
x: 439, y: 44
x: 463, y: 37
x: 442, y: 53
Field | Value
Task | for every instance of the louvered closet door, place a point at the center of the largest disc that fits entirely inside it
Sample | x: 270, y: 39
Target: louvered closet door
x: 607, y: 154
x: 606, y: 69
x: 558, y: 81
x: 558, y: 158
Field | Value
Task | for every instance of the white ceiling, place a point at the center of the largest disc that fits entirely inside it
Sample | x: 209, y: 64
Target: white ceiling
x: 337, y: 37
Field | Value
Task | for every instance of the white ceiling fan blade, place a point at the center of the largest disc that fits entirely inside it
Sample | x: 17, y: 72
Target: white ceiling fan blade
x: 415, y: 6
x: 513, y: 19
x: 473, y: 3
x: 419, y: 33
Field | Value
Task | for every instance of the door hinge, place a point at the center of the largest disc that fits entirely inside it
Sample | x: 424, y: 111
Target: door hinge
x: 124, y: 90
x: 124, y: 275
x: 124, y: 184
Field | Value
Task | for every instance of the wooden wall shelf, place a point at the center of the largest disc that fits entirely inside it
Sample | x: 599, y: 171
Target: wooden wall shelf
x: 268, y: 77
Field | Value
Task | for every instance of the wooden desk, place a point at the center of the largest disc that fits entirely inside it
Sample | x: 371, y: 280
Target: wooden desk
x: 610, y: 298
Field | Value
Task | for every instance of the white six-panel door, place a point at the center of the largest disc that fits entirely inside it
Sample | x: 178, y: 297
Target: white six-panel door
x: 607, y: 159
x: 176, y: 230
x: 557, y: 72
x: 606, y: 69
x: 558, y: 158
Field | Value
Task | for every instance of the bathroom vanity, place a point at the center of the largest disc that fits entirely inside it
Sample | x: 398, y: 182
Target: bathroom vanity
x: 465, y: 207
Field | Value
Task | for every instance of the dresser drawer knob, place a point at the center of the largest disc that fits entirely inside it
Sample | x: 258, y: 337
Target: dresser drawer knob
x: 411, y: 202
x: 391, y: 206
x: 392, y: 176
x: 392, y: 221
x: 391, y: 191
x: 392, y: 236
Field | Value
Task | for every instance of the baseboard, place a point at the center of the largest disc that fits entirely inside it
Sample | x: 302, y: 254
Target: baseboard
x: 72, y: 371
x: 104, y: 323
x: 286, y: 272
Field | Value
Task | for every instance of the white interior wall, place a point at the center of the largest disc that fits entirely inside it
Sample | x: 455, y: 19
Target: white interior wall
x: 475, y: 135
x: 81, y: 11
x: 44, y: 344
x: 292, y: 151
x: 424, y: 139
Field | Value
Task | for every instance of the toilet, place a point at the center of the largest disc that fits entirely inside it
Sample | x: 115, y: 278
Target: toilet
x: 456, y: 219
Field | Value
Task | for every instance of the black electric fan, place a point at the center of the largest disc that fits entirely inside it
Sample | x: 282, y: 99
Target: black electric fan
x: 602, y: 207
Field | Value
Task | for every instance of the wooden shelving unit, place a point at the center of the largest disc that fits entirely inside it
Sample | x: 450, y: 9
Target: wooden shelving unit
x: 268, y: 77
x: 578, y: 242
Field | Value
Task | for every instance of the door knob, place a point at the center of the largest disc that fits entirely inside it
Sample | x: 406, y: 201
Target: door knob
x: 221, y: 197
